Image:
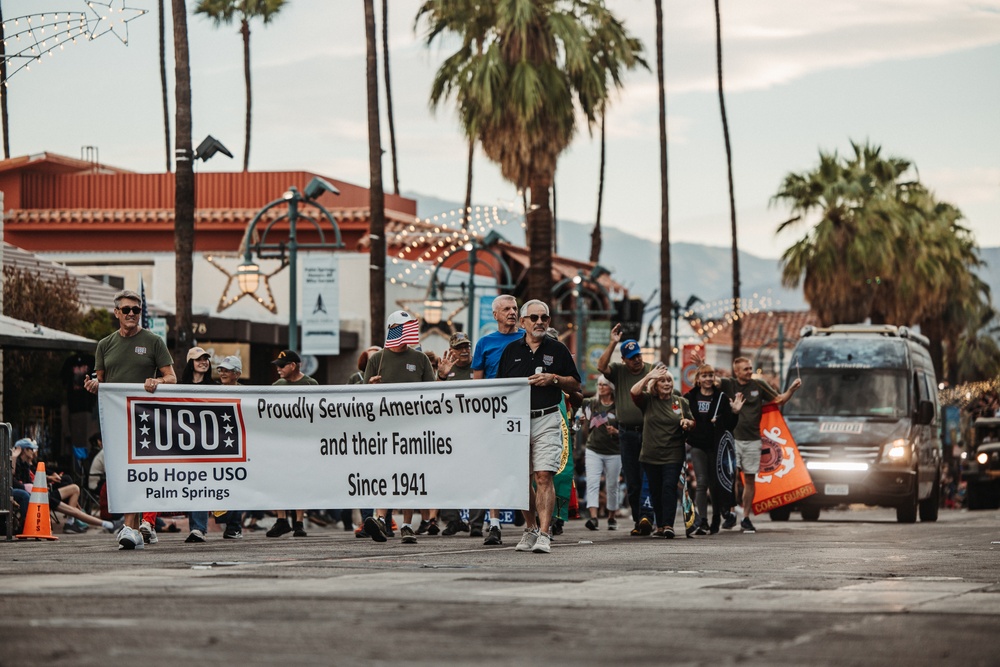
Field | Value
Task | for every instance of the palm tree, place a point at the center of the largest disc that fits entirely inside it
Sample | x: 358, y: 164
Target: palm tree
x: 666, y: 298
x: 517, y: 96
x: 184, y: 182
x: 163, y: 84
x: 388, y: 95
x: 738, y: 320
x: 3, y: 88
x: 226, y: 11
x: 595, y: 236
x: 376, y: 195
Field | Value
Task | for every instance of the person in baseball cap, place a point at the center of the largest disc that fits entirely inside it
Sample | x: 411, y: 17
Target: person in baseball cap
x: 630, y: 348
x: 456, y: 363
x: 197, y: 353
x: 231, y: 363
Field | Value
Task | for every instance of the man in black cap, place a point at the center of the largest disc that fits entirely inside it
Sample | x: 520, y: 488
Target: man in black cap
x: 623, y: 376
x: 289, y: 365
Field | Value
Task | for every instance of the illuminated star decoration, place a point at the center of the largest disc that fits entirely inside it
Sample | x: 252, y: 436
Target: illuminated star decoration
x: 112, y: 19
x: 28, y: 38
x: 225, y: 301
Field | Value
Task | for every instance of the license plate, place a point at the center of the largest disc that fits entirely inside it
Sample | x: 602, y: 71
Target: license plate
x: 836, y: 490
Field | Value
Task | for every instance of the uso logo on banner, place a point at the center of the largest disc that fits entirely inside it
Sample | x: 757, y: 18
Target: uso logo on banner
x: 185, y: 431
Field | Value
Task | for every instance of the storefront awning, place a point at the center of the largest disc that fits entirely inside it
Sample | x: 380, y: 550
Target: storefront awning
x: 17, y: 334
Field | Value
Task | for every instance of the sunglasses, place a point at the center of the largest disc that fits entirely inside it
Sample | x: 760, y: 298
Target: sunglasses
x: 535, y: 318
x: 131, y: 310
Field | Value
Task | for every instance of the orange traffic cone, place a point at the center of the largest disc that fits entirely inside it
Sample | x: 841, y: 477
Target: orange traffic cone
x: 36, y: 520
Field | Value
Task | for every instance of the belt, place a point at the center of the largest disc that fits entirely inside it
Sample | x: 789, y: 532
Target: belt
x: 544, y: 411
x: 633, y: 429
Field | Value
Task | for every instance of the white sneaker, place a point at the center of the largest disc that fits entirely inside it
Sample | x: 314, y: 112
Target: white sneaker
x: 129, y: 539
x: 196, y: 536
x: 528, y: 539
x: 542, y: 544
x: 148, y: 534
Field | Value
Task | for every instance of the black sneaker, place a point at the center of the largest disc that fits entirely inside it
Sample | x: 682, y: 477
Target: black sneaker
x: 612, y: 523
x: 279, y: 528
x: 451, y: 528
x: 476, y: 531
x: 432, y: 527
x: 375, y: 528
x: 645, y: 527
x: 716, y: 521
x: 423, y: 527
x: 493, y: 539
x: 702, y: 528
x: 729, y: 521
x: 407, y: 534
x: 591, y: 524
x: 747, y: 526
x: 299, y: 530
x: 557, y: 527
x: 234, y: 533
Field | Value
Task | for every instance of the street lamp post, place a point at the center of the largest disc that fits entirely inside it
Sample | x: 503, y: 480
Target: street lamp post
x: 248, y: 273
x: 582, y: 294
x: 433, y: 306
x: 678, y: 312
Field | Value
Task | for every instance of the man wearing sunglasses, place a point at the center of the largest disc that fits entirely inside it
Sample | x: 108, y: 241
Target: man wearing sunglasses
x: 136, y: 356
x: 550, y: 370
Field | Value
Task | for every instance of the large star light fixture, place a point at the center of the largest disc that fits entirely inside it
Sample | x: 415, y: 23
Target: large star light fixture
x: 113, y: 17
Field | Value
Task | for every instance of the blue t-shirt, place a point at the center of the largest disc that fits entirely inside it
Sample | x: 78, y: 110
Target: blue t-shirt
x: 486, y: 358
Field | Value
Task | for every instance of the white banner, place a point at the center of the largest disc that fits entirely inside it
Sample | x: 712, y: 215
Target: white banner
x: 418, y: 445
x: 320, y: 308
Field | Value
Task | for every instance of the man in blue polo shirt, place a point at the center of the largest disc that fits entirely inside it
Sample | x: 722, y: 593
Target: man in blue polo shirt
x: 550, y: 370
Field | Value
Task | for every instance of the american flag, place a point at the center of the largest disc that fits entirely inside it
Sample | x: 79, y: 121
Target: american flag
x: 407, y: 333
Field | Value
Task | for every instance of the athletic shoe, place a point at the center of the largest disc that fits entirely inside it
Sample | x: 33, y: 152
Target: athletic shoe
x: 375, y: 529
x: 116, y: 525
x: 591, y: 524
x: 668, y: 534
x: 612, y: 523
x: 129, y: 539
x: 493, y: 539
x: 475, y: 532
x: 196, y: 536
x: 407, y: 534
x: 432, y: 527
x: 645, y: 527
x: 635, y: 530
x: 747, y: 526
x: 279, y: 528
x: 542, y: 545
x: 452, y: 528
x: 235, y: 534
x: 360, y: 532
x: 422, y: 528
x: 702, y: 528
x: 557, y: 527
x: 729, y: 520
x: 148, y: 534
x: 528, y: 539
x: 714, y: 527
x: 73, y: 527
x: 298, y: 530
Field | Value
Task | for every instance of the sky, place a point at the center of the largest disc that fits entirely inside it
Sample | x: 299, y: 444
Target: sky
x: 921, y: 78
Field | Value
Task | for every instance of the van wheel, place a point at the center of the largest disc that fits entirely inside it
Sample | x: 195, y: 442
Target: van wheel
x: 780, y: 514
x: 810, y: 514
x: 929, y: 506
x: 907, y: 512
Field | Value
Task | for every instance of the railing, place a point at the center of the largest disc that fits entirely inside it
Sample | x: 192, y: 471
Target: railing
x: 6, y: 472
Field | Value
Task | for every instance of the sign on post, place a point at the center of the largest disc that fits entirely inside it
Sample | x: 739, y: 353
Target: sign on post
x: 320, y: 306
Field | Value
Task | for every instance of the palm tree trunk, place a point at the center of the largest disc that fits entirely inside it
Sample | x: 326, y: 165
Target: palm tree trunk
x: 163, y: 86
x: 595, y: 236
x: 555, y: 231
x: 376, y: 195
x: 388, y: 95
x: 738, y: 320
x: 245, y: 31
x: 666, y: 298
x: 539, y: 236
x: 183, y: 183
x: 3, y: 89
x: 467, y: 213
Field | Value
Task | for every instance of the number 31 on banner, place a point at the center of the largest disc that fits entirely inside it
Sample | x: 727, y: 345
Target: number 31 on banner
x: 513, y: 425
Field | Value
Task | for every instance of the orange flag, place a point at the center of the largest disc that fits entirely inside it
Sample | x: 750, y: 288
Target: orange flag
x: 783, y: 477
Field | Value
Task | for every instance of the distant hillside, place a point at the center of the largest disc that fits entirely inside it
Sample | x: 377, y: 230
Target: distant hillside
x: 699, y: 270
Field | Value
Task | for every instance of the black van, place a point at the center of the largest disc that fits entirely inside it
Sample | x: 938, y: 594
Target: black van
x: 865, y: 420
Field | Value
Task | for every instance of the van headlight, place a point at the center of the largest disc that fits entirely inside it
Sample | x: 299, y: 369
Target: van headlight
x: 982, y: 458
x: 897, y: 451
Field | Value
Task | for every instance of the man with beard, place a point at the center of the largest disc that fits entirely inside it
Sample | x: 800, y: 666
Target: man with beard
x: 550, y: 370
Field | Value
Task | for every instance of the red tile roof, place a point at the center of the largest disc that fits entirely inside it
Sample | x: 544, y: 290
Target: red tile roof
x: 760, y: 329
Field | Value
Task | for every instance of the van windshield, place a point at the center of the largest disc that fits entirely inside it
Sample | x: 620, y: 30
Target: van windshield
x: 834, y: 393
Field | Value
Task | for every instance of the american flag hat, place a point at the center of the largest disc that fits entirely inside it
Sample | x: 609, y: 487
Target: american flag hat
x: 402, y: 328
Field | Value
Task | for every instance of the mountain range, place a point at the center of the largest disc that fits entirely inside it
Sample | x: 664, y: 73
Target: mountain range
x: 697, y: 270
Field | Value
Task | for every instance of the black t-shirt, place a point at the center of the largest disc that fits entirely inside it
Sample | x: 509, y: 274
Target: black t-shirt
x: 705, y: 433
x: 519, y: 361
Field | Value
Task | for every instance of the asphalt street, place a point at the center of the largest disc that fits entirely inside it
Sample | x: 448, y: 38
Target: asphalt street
x: 854, y: 588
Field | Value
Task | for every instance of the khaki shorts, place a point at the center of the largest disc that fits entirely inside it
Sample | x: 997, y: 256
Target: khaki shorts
x: 748, y: 456
x: 548, y: 442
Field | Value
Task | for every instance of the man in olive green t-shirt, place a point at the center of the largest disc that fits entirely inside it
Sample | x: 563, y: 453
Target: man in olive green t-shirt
x: 289, y: 365
x: 398, y: 362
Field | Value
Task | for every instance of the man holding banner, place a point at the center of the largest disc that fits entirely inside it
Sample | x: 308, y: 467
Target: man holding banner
x: 748, y: 397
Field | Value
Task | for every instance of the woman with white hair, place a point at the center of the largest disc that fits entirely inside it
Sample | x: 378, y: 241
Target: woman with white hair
x: 603, y: 455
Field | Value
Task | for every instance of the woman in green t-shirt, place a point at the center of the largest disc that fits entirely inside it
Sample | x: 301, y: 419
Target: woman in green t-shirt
x: 666, y: 416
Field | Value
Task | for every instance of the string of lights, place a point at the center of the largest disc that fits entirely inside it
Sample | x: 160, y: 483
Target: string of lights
x: 964, y: 394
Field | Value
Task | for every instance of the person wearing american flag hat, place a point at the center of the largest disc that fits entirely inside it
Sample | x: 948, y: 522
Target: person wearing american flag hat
x: 398, y: 362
